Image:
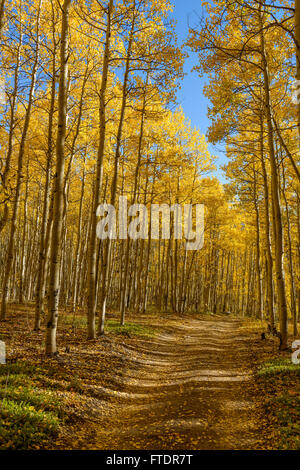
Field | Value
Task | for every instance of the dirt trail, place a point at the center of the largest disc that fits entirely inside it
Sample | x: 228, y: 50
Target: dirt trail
x: 189, y: 388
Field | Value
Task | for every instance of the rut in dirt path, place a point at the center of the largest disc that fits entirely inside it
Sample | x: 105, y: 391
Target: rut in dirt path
x: 189, y: 388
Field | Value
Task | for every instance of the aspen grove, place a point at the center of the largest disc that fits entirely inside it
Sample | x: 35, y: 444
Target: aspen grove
x: 88, y: 116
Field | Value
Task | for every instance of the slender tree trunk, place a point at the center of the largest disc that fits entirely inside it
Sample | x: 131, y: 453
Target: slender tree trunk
x: 104, y: 293
x: 268, y: 245
x: 277, y: 217
x: 290, y: 258
x: 24, y: 240
x: 98, y: 183
x: 55, y: 257
x: 43, y: 252
x: 78, y: 241
x: 258, y: 253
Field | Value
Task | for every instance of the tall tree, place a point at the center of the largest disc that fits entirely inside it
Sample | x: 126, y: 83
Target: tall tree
x: 55, y: 256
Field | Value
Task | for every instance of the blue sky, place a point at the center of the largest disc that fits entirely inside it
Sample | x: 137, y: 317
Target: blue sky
x: 191, y: 97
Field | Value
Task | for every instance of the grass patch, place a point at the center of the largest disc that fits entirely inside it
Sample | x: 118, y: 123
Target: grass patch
x: 130, y: 329
x: 29, y: 416
x: 279, y: 368
x: 111, y: 326
x: 25, y: 427
x: 281, y: 381
x: 74, y: 321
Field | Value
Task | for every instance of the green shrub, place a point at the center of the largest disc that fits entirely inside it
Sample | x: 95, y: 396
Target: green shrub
x: 23, y: 426
x: 279, y: 367
x: 29, y: 416
x: 131, y: 329
x: 281, y: 376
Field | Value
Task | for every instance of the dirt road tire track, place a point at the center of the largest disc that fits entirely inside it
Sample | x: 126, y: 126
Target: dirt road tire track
x: 191, y: 387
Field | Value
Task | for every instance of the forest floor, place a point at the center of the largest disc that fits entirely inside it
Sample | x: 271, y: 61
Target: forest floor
x: 193, y: 383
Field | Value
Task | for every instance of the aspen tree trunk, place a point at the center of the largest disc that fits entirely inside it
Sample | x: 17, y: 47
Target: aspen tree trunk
x: 78, y: 241
x: 98, y: 183
x: 221, y: 277
x: 99, y: 249
x: 268, y: 245
x: 187, y: 282
x: 122, y: 246
x: 249, y: 283
x: 55, y: 257
x: 244, y: 283
x: 183, y: 284
x: 171, y: 273
x: 136, y: 178
x: 182, y: 292
x: 47, y: 246
x: 139, y: 271
x: 82, y: 264
x: 277, y: 217
x: 139, y: 276
x: 159, y: 279
x: 226, y: 284
x: 167, y: 286
x: 104, y: 292
x: 290, y: 258
x: 175, y: 265
x: 11, y: 244
x: 143, y: 305
x: 74, y: 140
x: 42, y: 265
x: 68, y: 172
x: 44, y: 237
x: 162, y: 274
x: 24, y: 240
x: 133, y: 274
x: 258, y: 255
x: 144, y: 293
x: 31, y: 255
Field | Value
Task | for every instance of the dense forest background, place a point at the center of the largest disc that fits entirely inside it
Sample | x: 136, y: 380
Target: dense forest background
x: 139, y: 343
x: 88, y: 114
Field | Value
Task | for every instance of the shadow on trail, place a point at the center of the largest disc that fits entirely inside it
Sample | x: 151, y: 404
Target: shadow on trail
x: 185, y: 389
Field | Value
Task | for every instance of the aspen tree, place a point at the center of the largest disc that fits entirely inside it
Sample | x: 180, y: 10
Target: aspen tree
x: 55, y: 254
x: 268, y: 245
x: 45, y: 235
x: 277, y: 216
x: 79, y: 239
x: 290, y: 256
x: 107, y: 254
x: 99, y: 177
x: 124, y: 291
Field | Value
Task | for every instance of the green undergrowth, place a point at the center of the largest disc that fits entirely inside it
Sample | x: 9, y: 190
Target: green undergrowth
x: 279, y: 368
x: 29, y: 416
x: 111, y: 326
x: 280, y: 378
